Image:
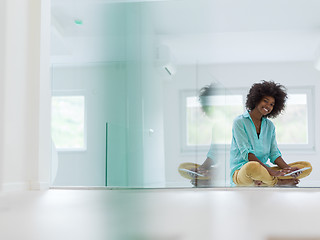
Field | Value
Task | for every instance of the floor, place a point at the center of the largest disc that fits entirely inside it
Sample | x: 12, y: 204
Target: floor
x: 161, y: 214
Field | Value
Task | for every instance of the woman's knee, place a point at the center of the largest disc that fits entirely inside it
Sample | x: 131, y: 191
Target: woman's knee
x: 307, y: 164
x: 252, y: 166
x: 301, y: 164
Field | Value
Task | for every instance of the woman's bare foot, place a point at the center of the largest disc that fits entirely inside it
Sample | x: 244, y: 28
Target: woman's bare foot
x: 288, y: 182
x: 257, y: 183
x: 201, y: 183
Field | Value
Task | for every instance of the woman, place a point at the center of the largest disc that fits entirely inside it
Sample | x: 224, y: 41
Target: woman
x: 207, y: 167
x: 254, y: 141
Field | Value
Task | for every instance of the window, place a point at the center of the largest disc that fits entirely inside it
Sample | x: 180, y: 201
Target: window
x: 295, y: 127
x: 68, y: 122
x: 199, y: 129
x: 202, y: 129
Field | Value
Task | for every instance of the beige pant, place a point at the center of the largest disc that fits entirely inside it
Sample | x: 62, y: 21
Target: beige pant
x: 254, y: 171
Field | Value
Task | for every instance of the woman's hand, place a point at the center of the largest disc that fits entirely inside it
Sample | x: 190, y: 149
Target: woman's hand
x: 282, y: 172
x: 276, y: 173
x: 205, y: 172
x: 291, y: 169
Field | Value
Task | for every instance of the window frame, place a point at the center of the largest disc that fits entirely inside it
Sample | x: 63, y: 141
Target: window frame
x: 70, y: 93
x: 309, y: 147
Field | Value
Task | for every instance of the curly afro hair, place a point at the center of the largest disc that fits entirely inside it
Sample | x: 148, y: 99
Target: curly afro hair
x: 267, y: 88
x: 204, y: 94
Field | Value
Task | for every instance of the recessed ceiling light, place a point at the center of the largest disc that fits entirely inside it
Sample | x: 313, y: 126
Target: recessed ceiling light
x: 78, y: 21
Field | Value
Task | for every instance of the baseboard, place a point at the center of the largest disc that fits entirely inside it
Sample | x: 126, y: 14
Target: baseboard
x: 39, y: 185
x: 18, y: 186
x: 24, y: 186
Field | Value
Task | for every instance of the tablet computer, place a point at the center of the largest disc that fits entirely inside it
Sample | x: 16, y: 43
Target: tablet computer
x: 299, y: 170
x: 191, y: 173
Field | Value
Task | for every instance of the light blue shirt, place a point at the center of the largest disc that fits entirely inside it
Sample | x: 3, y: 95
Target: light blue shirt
x: 211, y: 152
x: 245, y: 140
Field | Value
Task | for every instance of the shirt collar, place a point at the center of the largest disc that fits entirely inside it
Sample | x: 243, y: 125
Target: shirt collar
x: 247, y: 115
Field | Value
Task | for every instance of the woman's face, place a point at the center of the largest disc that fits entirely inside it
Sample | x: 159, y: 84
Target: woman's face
x: 265, y: 106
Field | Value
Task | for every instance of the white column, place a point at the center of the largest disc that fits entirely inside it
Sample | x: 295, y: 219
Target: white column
x: 44, y: 150
x: 25, y: 81
x: 2, y: 67
x: 39, y: 78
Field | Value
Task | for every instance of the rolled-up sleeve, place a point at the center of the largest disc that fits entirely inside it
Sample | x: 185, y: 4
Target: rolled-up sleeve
x: 241, y: 139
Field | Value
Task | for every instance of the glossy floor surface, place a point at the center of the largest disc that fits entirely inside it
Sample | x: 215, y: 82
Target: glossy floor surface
x: 161, y: 214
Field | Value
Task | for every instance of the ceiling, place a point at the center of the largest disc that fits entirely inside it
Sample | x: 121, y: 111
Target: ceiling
x: 205, y: 31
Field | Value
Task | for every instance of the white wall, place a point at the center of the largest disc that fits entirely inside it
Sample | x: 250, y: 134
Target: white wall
x: 2, y: 75
x: 21, y: 76
x: 234, y: 76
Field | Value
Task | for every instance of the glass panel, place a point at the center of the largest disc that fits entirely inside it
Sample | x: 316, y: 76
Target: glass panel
x: 135, y: 60
x: 222, y: 111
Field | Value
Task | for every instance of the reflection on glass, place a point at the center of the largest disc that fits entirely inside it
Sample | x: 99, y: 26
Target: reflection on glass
x: 142, y: 65
x: 223, y: 109
x: 207, y: 134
